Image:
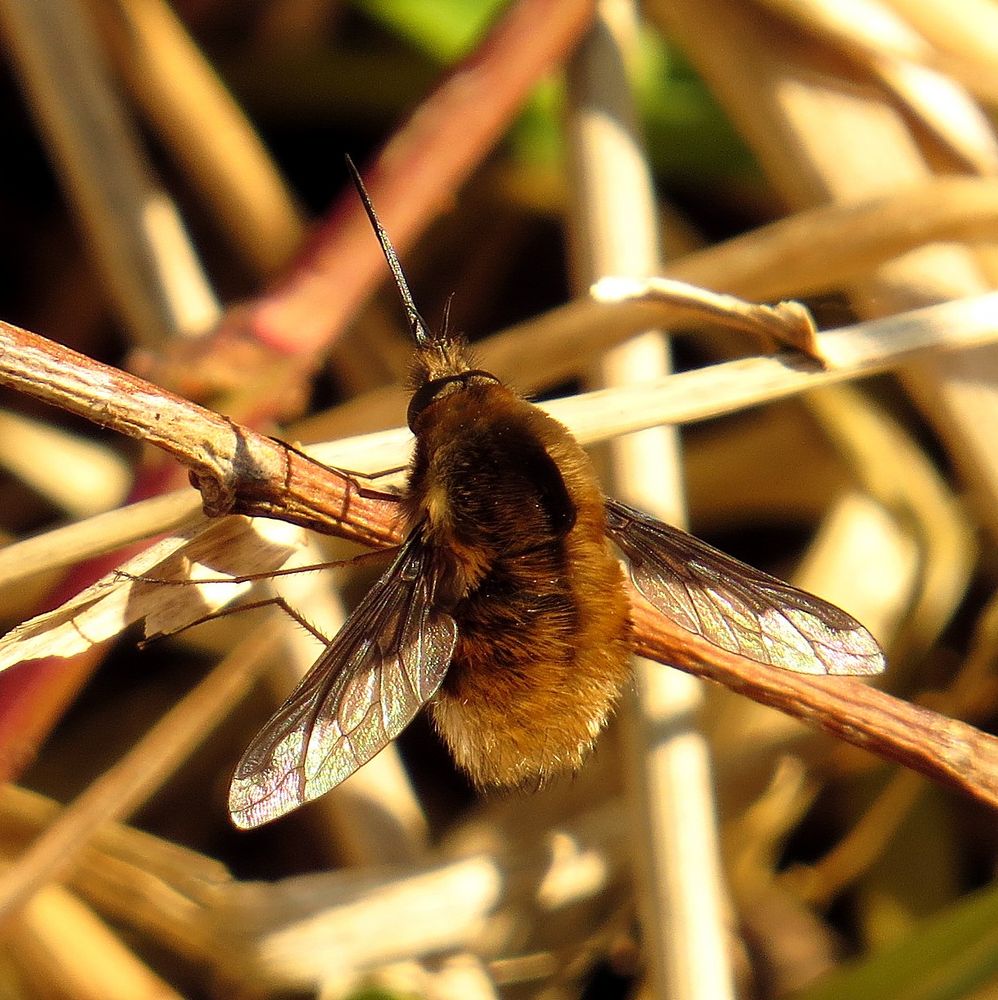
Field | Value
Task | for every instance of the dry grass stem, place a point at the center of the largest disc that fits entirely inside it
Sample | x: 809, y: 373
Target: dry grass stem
x: 208, y: 550
x: 887, y: 41
x: 827, y: 247
x: 78, y: 476
x: 821, y: 138
x: 788, y: 323
x: 175, y: 85
x: 268, y: 933
x: 96, y: 535
x: 967, y: 32
x: 57, y: 939
x: 146, y: 261
x: 681, y: 900
x: 728, y: 387
x: 366, y: 919
x: 856, y: 852
x: 127, y: 784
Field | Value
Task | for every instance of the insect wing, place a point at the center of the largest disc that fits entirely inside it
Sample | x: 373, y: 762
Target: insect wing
x: 737, y: 607
x: 384, y: 664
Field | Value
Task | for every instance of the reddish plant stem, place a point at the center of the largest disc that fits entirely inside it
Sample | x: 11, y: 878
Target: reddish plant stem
x: 413, y: 178
x: 939, y: 747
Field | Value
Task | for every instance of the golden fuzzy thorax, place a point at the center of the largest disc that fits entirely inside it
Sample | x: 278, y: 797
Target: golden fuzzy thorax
x: 509, y: 503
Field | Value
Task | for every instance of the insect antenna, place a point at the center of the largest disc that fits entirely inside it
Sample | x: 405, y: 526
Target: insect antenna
x: 445, y: 326
x: 420, y: 328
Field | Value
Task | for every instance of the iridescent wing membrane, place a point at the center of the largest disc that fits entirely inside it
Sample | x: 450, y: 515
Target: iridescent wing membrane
x: 736, y: 607
x: 384, y: 664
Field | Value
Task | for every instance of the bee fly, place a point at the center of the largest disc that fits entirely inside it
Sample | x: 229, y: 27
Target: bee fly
x: 504, y: 610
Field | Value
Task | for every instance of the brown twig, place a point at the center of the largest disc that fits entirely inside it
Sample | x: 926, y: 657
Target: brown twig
x: 245, y: 472
x: 237, y: 470
x: 941, y: 748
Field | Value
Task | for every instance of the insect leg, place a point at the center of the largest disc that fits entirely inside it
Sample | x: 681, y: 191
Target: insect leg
x: 256, y: 577
x: 352, y: 477
x: 278, y: 602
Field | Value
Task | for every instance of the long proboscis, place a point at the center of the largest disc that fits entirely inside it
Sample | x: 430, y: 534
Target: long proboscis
x: 420, y: 328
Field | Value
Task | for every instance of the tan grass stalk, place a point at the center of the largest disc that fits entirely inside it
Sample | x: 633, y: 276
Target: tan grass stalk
x: 136, y: 235
x: 677, y: 869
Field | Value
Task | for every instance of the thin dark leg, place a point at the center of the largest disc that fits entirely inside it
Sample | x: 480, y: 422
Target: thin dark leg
x: 249, y: 606
x: 354, y: 478
x: 255, y: 577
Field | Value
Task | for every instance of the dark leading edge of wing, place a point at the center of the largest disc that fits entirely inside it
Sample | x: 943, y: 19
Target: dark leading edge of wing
x: 736, y: 607
x: 384, y: 664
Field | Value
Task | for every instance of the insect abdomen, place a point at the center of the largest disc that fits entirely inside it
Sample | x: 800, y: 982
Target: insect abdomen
x: 534, y: 678
x: 542, y: 620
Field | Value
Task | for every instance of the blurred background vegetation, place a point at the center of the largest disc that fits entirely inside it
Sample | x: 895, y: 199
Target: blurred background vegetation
x: 829, y: 146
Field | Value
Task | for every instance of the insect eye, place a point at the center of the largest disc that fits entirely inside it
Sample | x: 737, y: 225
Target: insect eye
x: 438, y: 388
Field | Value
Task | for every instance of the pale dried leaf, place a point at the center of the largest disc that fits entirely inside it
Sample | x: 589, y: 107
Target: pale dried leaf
x: 227, y: 547
x: 786, y: 323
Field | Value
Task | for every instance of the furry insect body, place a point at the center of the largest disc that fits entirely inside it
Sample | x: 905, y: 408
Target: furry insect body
x: 504, y: 610
x: 509, y: 504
